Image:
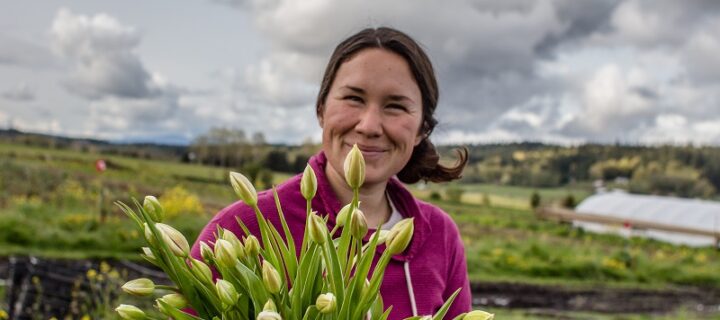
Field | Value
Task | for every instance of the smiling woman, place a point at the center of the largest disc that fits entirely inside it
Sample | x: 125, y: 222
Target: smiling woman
x: 379, y: 92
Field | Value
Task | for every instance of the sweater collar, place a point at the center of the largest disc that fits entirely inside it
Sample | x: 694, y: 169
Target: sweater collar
x: 327, y: 201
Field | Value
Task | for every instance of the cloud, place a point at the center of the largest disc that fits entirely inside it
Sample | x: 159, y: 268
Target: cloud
x: 100, y: 49
x: 23, y: 53
x: 21, y: 93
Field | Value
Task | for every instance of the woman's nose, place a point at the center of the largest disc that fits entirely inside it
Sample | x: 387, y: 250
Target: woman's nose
x: 370, y: 122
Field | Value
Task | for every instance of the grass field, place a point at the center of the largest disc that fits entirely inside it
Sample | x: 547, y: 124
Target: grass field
x: 50, y: 205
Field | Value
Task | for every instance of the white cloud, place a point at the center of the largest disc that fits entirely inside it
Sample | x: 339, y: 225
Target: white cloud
x: 100, y: 50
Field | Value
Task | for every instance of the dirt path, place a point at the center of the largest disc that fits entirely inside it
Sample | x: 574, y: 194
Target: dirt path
x: 547, y: 299
x: 598, y: 299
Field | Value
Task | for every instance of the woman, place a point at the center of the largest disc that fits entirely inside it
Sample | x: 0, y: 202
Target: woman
x: 379, y: 92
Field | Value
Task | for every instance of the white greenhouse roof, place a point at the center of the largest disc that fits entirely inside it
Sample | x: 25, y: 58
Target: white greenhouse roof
x: 689, y: 213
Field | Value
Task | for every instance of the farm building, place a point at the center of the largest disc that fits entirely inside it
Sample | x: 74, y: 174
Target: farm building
x: 691, y: 222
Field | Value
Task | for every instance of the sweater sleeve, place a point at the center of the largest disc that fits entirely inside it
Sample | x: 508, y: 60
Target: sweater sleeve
x: 457, y: 274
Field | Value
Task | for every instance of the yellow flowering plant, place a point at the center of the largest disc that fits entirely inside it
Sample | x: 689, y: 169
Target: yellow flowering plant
x: 330, y: 279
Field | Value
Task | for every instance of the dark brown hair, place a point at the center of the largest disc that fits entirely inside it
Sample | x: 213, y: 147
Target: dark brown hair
x: 424, y: 162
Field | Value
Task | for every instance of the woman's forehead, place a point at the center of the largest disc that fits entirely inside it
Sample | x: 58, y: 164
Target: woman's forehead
x: 377, y: 71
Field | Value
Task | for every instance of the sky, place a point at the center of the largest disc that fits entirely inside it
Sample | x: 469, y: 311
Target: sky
x: 166, y: 71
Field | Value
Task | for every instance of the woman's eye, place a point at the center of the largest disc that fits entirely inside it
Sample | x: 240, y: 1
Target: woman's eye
x: 397, y: 107
x: 354, y: 98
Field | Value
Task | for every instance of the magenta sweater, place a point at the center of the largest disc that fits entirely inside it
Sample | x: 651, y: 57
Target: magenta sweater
x: 435, y: 257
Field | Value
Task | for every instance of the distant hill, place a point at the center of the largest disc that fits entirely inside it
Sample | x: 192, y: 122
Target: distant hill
x: 137, y: 150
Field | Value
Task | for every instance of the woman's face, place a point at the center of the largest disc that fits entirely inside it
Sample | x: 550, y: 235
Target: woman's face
x: 374, y: 102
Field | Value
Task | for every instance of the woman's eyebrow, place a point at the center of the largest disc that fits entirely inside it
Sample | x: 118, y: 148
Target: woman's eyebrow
x: 356, y: 89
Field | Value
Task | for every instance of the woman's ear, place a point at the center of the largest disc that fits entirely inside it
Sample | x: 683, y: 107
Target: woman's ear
x: 420, y: 137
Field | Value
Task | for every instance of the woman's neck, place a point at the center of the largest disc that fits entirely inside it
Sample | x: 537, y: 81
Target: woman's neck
x: 373, y: 199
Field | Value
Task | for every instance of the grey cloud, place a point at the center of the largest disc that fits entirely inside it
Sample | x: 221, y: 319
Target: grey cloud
x: 487, y: 56
x: 18, y: 52
x: 22, y: 93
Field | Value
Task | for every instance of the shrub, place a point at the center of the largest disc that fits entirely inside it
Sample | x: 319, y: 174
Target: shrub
x: 178, y: 201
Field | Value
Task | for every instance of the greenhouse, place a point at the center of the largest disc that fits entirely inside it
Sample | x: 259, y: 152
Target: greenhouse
x: 696, y: 220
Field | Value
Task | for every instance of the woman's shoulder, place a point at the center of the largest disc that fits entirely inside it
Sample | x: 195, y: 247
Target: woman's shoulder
x: 437, y: 217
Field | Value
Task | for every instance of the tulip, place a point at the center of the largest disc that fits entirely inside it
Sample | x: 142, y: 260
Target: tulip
x: 400, y: 235
x: 149, y: 235
x: 130, y: 312
x: 243, y: 188
x: 225, y: 253
x: 318, y: 229
x: 271, y: 278
x: 308, y: 183
x: 269, y: 312
x: 226, y: 291
x: 205, y: 252
x: 149, y: 255
x: 139, y: 287
x: 269, y: 315
x: 342, y: 215
x: 270, y: 306
x: 382, y: 237
x: 153, y: 208
x: 201, y: 270
x: 175, y: 300
x: 354, y: 168
x: 252, y: 246
x: 325, y: 303
x: 358, y: 224
x: 229, y: 236
x: 478, y: 315
x: 174, y: 239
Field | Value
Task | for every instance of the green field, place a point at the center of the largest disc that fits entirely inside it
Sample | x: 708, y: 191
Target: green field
x: 50, y: 205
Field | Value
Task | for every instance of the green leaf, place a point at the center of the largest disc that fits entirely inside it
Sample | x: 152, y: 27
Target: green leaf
x: 446, y: 306
x: 176, y: 313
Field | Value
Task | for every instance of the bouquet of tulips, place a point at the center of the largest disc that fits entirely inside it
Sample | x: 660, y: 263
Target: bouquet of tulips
x: 329, y: 280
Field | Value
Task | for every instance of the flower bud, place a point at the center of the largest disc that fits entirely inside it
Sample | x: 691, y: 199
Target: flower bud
x: 478, y: 315
x: 175, y: 300
x: 358, y: 224
x: 229, y: 236
x: 271, y: 278
x: 201, y: 270
x: 139, y: 287
x: 226, y: 291
x: 308, y: 183
x: 129, y: 312
x: 225, y: 253
x: 269, y: 306
x: 243, y: 188
x: 382, y: 237
x: 317, y: 228
x: 400, y: 236
x: 325, y: 302
x: 205, y: 252
x: 342, y: 215
x: 354, y: 168
x: 269, y: 315
x: 174, y: 239
x: 252, y: 246
x: 149, y: 237
x: 149, y: 255
x: 153, y: 208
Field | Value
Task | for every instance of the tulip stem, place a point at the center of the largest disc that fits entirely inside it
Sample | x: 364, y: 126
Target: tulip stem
x: 169, y: 288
